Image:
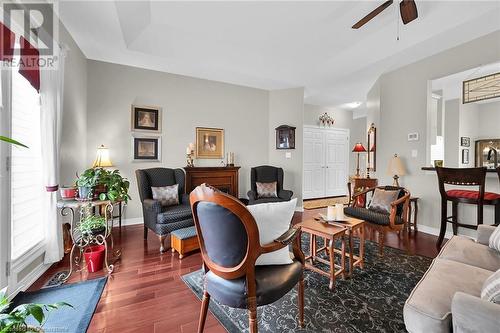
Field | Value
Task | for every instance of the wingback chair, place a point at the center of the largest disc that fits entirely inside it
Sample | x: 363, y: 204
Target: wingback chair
x: 229, y: 241
x: 267, y: 174
x: 162, y: 220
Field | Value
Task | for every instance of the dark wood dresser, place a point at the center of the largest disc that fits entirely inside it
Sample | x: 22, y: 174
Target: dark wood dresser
x: 222, y: 178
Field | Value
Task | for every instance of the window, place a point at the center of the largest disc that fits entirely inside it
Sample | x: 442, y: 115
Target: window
x: 26, y: 168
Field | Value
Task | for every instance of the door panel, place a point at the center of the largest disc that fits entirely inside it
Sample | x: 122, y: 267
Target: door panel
x: 336, y: 163
x: 314, y: 172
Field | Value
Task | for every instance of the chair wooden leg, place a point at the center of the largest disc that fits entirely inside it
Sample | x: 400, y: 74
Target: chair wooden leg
x: 301, y: 302
x: 381, y: 241
x: 442, y: 231
x: 145, y: 232
x: 204, y: 310
x: 252, y: 315
x: 162, y: 243
x: 454, y: 210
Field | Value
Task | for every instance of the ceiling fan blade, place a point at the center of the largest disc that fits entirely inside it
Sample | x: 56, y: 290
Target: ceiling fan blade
x: 408, y: 10
x: 372, y: 14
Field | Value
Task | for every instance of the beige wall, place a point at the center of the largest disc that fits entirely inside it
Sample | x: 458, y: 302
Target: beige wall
x: 343, y: 118
x: 403, y: 105
x: 244, y: 113
x: 74, y: 113
x: 286, y: 107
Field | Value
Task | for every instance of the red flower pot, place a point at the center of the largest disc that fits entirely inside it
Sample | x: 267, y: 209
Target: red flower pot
x: 94, y: 257
x: 68, y: 193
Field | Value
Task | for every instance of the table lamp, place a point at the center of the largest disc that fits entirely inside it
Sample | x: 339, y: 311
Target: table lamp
x: 358, y: 148
x: 396, y: 169
x: 102, y: 158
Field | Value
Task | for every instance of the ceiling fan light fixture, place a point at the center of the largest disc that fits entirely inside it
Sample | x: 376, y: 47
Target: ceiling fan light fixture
x: 408, y: 10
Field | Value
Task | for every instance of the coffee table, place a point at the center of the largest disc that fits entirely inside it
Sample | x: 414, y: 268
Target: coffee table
x: 330, y: 233
x: 354, y: 226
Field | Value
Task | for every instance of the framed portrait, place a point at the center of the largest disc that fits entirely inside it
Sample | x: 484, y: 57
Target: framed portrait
x: 465, y: 141
x: 146, y: 148
x: 209, y: 142
x: 146, y: 118
x: 285, y: 137
x: 465, y: 156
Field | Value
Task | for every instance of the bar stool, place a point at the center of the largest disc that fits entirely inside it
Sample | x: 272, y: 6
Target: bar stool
x: 463, y: 177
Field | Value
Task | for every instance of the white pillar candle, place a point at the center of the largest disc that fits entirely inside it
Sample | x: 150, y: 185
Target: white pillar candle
x: 339, y: 212
x: 330, y: 213
x: 188, y: 151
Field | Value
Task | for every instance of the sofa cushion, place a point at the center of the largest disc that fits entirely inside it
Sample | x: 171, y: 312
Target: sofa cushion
x: 428, y: 308
x: 370, y: 215
x: 494, y: 241
x: 468, y: 194
x: 174, y: 214
x: 491, y: 288
x: 466, y: 251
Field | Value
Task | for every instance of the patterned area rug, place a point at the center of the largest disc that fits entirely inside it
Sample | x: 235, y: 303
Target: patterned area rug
x: 371, y: 301
x: 322, y: 203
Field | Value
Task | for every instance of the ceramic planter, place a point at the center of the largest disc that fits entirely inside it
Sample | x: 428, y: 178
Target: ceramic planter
x: 84, y: 193
x: 68, y: 192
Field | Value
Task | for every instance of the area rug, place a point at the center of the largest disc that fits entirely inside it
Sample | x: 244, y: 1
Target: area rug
x: 325, y: 202
x: 83, y: 296
x: 371, y: 301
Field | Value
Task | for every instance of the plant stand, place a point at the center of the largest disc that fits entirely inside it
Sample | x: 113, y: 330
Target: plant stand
x: 73, y: 209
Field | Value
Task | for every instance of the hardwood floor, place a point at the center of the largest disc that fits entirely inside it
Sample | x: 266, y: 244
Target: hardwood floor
x: 145, y: 293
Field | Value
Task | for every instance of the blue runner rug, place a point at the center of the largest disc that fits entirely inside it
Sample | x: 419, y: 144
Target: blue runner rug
x: 83, y: 296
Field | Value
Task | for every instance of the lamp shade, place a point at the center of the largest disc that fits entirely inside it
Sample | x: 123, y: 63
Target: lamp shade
x: 358, y: 148
x: 396, y: 166
x: 102, y: 158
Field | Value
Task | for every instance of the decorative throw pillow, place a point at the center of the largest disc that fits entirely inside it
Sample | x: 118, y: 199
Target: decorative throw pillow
x: 381, y: 201
x: 273, y: 220
x: 267, y: 190
x: 494, y: 241
x: 166, y: 195
x: 491, y: 288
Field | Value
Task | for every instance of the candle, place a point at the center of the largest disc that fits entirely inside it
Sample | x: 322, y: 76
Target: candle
x: 330, y: 213
x: 188, y: 151
x: 191, y: 146
x: 339, y: 212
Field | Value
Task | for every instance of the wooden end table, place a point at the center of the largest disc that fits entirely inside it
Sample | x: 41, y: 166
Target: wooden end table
x: 353, y: 226
x: 329, y: 233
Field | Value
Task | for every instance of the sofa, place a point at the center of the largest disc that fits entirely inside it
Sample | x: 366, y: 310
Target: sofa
x: 157, y: 218
x: 448, y: 297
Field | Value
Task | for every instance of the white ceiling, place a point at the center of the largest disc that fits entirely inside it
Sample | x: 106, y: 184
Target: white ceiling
x: 274, y: 45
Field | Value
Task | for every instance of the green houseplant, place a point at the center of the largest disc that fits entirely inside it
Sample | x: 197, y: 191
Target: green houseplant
x: 87, y: 181
x: 15, y: 319
x: 92, y: 224
x: 116, y: 186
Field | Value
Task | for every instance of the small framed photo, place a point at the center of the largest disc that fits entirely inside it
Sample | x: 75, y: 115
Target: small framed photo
x: 209, y: 142
x: 465, y: 141
x: 285, y: 137
x: 146, y: 118
x: 465, y: 156
x: 146, y: 148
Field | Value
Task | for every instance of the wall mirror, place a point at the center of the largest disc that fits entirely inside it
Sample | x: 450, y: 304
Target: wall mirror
x: 372, y: 148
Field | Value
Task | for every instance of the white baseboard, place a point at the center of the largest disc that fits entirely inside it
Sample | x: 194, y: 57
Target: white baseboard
x: 30, y: 279
x: 130, y: 221
x: 299, y: 209
x: 435, y: 232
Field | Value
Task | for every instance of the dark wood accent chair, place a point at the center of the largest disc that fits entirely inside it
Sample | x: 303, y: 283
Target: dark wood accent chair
x: 157, y: 218
x: 463, y: 177
x: 267, y: 174
x: 395, y: 221
x: 229, y: 241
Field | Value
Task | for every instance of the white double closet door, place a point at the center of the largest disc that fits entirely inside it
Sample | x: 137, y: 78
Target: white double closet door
x: 326, y: 162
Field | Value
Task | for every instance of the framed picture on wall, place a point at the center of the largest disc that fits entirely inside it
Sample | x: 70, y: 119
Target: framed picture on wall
x: 465, y: 141
x: 209, y: 142
x: 465, y: 156
x: 146, y: 148
x: 146, y: 118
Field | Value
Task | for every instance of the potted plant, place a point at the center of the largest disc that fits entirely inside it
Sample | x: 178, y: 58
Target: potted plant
x: 92, y: 225
x: 116, y: 186
x: 15, y: 319
x: 86, y: 183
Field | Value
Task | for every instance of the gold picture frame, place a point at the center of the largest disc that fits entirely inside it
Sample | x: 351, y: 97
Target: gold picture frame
x: 209, y: 142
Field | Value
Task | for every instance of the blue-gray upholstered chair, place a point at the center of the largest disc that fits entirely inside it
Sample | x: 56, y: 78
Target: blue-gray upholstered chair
x: 229, y: 241
x: 160, y: 219
x: 267, y: 174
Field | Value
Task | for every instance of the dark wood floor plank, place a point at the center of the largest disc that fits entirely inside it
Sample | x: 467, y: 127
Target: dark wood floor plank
x: 146, y: 292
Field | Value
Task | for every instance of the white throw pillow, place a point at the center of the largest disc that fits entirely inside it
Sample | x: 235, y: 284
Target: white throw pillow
x: 491, y: 288
x: 495, y: 239
x: 273, y: 220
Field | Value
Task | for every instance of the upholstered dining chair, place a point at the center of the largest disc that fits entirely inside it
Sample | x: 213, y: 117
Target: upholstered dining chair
x: 162, y: 220
x: 229, y: 241
x: 267, y: 174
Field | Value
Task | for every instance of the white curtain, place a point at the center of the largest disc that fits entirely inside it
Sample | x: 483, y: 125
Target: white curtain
x: 51, y: 97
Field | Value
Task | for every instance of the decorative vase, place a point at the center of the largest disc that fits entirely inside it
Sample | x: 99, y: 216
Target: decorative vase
x: 84, y: 193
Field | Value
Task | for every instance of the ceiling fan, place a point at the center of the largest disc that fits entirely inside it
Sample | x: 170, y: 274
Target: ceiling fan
x: 407, y: 8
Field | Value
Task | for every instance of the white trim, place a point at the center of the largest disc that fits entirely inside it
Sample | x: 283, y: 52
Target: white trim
x: 299, y: 209
x: 130, y: 221
x: 31, y: 278
x: 435, y: 231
